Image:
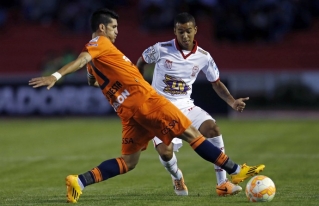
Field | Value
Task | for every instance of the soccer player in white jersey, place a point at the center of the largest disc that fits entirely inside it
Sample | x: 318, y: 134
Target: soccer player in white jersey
x: 177, y: 64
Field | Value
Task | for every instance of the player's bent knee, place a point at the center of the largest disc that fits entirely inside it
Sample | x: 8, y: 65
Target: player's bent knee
x: 164, y: 151
x: 190, y: 134
x: 209, y: 129
x: 131, y: 160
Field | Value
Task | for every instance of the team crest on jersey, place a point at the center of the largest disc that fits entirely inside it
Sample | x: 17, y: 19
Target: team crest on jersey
x: 175, y: 85
x: 195, y: 71
x: 150, y: 54
x: 168, y: 64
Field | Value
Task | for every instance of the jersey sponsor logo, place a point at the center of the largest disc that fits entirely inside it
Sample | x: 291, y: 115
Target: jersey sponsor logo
x: 175, y: 85
x: 112, y: 91
x: 195, y: 71
x: 127, y: 141
x: 120, y: 99
x: 150, y: 55
x: 166, y: 45
x: 168, y: 64
x: 169, y: 127
x: 202, y: 51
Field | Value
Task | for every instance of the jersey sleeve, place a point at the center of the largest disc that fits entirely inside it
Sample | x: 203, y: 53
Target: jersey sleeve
x: 211, y: 70
x: 151, y: 54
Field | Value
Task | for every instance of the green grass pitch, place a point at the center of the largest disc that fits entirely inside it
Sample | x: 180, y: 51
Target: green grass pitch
x: 37, y: 154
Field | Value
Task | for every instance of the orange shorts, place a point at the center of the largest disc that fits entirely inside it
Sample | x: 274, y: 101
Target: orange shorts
x: 156, y: 117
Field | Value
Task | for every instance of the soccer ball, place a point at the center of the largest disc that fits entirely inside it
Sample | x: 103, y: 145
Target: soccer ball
x: 260, y: 189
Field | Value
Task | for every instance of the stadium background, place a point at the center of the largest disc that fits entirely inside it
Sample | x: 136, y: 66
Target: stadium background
x: 265, y: 49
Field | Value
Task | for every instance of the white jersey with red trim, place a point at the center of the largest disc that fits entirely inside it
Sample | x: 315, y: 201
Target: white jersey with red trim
x: 176, y: 70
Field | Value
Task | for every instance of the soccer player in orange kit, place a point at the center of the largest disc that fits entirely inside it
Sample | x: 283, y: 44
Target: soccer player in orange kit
x: 143, y: 112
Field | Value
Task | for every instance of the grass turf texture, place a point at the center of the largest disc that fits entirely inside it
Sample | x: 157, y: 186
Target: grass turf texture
x: 37, y: 154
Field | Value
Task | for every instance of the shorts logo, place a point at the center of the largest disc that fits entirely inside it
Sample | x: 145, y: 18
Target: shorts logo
x: 127, y: 141
x: 195, y: 71
x: 168, y: 64
x: 169, y: 127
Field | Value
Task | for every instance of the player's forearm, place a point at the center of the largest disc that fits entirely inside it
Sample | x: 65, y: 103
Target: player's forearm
x: 93, y: 82
x: 223, y: 93
x: 140, y: 65
x: 75, y: 65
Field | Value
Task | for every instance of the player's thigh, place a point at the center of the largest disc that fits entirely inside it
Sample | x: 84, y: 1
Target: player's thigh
x: 198, y: 116
x: 166, y: 121
x: 177, y: 143
x: 203, y: 121
x: 134, y: 137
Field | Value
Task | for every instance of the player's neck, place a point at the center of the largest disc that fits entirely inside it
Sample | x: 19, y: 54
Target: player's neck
x: 190, y: 48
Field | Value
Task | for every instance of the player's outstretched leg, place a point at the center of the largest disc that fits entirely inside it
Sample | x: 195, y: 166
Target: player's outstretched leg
x: 73, y: 188
x: 179, y: 185
x: 223, y: 187
x: 245, y: 172
x: 209, y: 152
x: 227, y: 188
x: 168, y: 159
x: 107, y: 169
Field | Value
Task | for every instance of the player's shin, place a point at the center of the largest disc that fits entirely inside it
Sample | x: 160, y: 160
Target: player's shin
x: 220, y: 173
x: 104, y: 171
x: 209, y: 152
x: 171, y: 167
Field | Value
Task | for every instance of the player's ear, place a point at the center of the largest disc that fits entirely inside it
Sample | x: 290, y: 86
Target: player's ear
x: 102, y: 27
x: 195, y: 30
x: 174, y: 30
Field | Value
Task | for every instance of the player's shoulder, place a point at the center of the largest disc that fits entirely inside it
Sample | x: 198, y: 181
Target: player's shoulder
x: 166, y: 43
x: 201, y: 51
x: 99, y: 40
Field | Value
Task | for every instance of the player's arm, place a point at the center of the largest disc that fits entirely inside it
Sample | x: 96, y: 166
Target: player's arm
x: 93, y: 83
x: 91, y: 79
x: 140, y: 65
x: 73, y: 66
x: 222, y: 91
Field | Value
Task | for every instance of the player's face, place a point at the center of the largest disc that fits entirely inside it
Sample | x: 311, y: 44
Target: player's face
x: 111, y: 30
x: 185, y: 34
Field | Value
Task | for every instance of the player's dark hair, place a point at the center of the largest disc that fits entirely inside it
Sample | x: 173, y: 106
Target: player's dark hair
x: 102, y: 16
x: 183, y: 18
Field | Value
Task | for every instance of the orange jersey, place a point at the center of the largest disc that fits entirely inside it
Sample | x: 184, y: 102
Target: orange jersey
x: 119, y: 79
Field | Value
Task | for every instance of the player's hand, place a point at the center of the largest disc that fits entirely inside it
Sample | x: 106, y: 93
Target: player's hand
x: 239, y: 104
x: 48, y: 81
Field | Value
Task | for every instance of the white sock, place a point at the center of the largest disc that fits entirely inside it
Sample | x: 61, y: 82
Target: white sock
x: 220, y: 173
x: 171, y: 167
x: 237, y: 170
x: 81, y: 184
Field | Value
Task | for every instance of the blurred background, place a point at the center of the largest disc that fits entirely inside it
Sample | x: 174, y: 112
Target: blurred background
x: 265, y: 49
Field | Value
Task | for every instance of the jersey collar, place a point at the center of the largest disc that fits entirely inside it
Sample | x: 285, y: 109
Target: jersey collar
x: 191, y: 52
